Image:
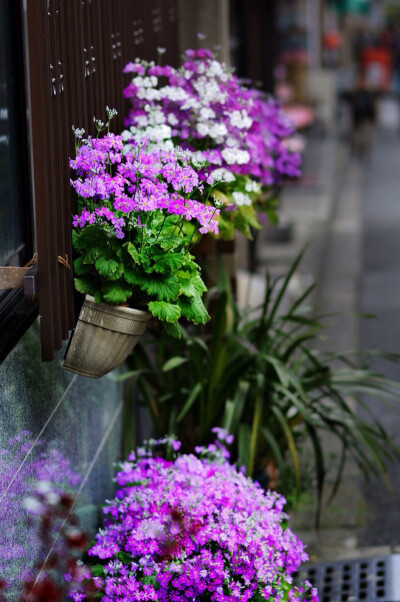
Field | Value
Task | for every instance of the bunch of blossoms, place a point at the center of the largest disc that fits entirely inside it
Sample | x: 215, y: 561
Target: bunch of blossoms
x: 193, y: 528
x: 137, y: 221
x: 203, y: 106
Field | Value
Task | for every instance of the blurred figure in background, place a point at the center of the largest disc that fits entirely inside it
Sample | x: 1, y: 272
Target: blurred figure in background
x: 363, y: 111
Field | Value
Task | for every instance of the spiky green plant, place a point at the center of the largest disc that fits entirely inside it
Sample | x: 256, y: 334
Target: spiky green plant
x: 257, y: 372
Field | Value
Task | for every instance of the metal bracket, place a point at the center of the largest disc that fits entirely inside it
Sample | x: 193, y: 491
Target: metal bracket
x: 31, y: 281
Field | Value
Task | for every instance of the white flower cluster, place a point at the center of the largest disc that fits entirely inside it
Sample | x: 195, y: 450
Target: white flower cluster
x: 253, y: 186
x: 240, y: 120
x: 152, y: 127
x: 240, y: 198
x: 235, y: 156
x: 217, y: 131
x: 174, y: 93
x: 221, y: 175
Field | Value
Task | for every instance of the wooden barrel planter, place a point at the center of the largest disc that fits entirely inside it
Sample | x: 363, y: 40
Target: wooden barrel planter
x: 103, y: 338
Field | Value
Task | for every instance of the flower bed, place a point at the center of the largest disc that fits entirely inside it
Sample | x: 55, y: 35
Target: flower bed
x: 193, y: 527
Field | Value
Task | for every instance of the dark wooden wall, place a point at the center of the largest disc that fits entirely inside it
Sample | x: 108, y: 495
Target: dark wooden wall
x: 76, y: 53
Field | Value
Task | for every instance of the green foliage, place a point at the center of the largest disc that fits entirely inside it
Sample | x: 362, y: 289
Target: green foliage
x: 257, y: 373
x: 153, y: 270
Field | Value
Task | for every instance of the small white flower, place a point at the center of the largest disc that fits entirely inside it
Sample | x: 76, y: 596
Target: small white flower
x: 236, y: 156
x: 218, y: 130
x: 222, y: 175
x: 31, y: 504
x: 202, y: 129
x: 252, y: 186
x: 172, y: 120
x: 240, y: 119
x: 241, y: 199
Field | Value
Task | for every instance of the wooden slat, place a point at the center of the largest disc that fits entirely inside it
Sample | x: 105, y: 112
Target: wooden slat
x: 76, y: 52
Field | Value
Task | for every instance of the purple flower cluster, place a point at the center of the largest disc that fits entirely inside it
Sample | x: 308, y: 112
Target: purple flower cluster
x: 193, y: 528
x: 271, y: 158
x: 204, y: 107
x: 45, y: 474
x: 115, y: 186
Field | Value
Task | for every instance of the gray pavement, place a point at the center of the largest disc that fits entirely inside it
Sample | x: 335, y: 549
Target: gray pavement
x: 380, y: 294
x: 350, y: 209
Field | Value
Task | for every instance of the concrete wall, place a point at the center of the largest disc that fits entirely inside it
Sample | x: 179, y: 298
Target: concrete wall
x: 54, y: 426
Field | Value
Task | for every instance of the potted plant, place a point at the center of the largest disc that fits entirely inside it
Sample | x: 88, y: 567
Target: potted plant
x: 192, y: 527
x: 239, y: 134
x: 136, y: 224
x: 259, y: 374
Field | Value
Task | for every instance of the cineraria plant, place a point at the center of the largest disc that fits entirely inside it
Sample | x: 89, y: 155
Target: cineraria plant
x: 236, y: 131
x: 137, y: 221
x: 193, y: 528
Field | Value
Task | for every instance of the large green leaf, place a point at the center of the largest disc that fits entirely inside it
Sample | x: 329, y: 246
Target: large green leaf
x: 109, y: 268
x: 164, y: 311
x: 116, y: 293
x: 79, y: 267
x: 167, y: 262
x: 93, y: 254
x: 193, y: 309
x: 163, y: 287
x: 174, y: 362
x: 84, y: 286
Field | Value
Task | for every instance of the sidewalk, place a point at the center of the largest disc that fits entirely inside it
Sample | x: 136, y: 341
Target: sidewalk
x: 327, y: 210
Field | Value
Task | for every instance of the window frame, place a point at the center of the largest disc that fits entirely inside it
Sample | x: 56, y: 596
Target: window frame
x: 18, y: 312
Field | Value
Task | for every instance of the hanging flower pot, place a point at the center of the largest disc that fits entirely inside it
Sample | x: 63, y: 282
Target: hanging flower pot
x: 104, y: 337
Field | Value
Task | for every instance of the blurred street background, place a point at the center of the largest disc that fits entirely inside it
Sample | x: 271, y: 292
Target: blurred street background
x: 337, y: 71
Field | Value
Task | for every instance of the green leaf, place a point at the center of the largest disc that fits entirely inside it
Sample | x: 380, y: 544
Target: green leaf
x: 187, y: 288
x: 190, y: 401
x: 164, y: 288
x: 244, y: 443
x: 93, y: 254
x: 129, y: 275
x: 76, y: 239
x: 199, y: 284
x: 133, y: 252
x: 84, y: 286
x: 167, y: 262
x: 291, y: 444
x: 173, y: 330
x: 98, y: 297
x: 79, y: 267
x: 164, y: 311
x: 174, y: 362
x: 193, y: 309
x: 170, y: 242
x: 116, y: 294
x: 109, y: 268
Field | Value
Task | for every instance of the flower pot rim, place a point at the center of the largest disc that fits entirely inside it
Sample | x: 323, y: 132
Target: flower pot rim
x: 138, y: 313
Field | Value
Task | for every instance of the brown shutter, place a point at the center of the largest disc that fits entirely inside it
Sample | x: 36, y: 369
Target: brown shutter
x: 76, y: 52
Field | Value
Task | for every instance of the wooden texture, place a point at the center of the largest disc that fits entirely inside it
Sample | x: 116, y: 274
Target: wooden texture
x: 76, y: 53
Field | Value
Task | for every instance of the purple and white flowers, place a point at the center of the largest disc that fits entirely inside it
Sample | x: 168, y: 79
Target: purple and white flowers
x: 193, y: 527
x: 203, y: 106
x: 140, y: 211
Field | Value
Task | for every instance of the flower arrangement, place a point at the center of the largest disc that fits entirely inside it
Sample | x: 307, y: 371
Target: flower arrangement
x: 137, y: 221
x: 193, y: 527
x: 237, y: 132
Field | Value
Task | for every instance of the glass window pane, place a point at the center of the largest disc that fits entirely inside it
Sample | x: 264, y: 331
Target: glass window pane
x: 11, y: 202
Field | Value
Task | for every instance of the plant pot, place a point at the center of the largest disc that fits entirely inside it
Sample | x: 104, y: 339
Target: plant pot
x: 103, y: 338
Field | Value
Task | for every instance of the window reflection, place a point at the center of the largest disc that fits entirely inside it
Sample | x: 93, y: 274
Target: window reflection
x: 40, y: 538
x: 11, y: 202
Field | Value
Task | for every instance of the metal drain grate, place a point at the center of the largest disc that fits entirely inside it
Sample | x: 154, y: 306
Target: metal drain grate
x: 374, y: 579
